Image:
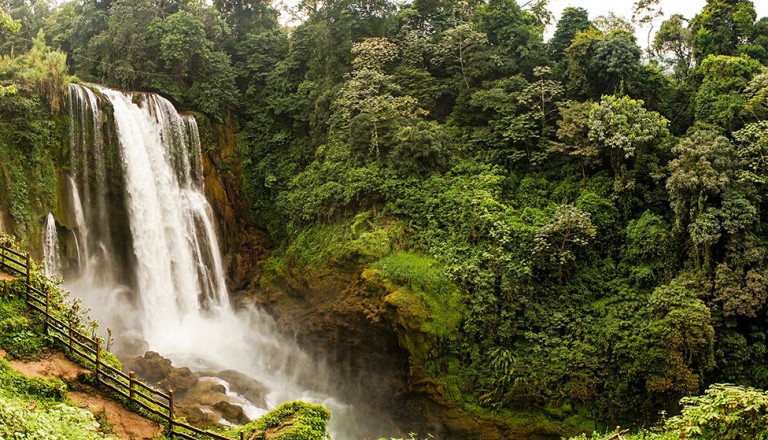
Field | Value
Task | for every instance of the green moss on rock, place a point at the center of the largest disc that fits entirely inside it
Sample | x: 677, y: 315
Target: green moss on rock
x: 295, y: 420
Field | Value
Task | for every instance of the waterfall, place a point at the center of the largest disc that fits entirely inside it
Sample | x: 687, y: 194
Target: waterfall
x: 170, y: 220
x: 150, y: 265
x: 50, y: 240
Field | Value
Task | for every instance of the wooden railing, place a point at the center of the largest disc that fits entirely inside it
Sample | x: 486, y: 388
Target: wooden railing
x: 89, y: 349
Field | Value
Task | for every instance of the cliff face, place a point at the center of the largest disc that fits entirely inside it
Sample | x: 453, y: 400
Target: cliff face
x: 221, y: 172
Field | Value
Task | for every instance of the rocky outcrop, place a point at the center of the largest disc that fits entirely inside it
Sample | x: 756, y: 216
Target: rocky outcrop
x: 205, y: 399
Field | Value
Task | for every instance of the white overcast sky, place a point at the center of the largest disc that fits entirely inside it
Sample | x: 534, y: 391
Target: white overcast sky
x: 688, y: 8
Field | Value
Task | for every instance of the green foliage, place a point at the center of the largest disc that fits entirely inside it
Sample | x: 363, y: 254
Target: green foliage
x: 722, y: 28
x: 647, y: 251
x: 295, y: 420
x: 570, y: 228
x: 34, y: 408
x: 724, y: 411
x: 8, y: 22
x: 19, y: 339
x: 572, y: 21
x: 428, y: 281
x: 623, y: 126
x: 719, y: 99
x: 674, y: 46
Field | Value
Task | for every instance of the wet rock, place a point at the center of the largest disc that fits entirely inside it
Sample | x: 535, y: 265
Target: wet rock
x: 206, y: 392
x: 151, y: 367
x: 202, y: 417
x: 232, y: 413
x: 159, y: 372
x: 253, y: 390
x: 181, y: 380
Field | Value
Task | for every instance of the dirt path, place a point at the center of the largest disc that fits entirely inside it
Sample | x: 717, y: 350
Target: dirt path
x: 5, y: 277
x: 125, y: 424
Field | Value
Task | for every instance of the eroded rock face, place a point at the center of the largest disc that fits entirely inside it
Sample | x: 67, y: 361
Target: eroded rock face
x: 205, y: 399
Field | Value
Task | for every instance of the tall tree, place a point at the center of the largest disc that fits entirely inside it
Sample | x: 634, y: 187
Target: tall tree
x: 559, y: 240
x: 673, y: 45
x: 703, y: 171
x: 720, y: 99
x: 645, y: 13
x: 721, y: 27
x: 573, y: 136
x: 624, y: 130
x: 516, y: 32
x: 572, y: 21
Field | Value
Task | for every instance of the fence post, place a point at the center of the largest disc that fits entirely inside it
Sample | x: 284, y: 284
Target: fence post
x: 242, y: 435
x: 98, y: 360
x: 132, y: 385
x: 48, y: 310
x: 28, y: 278
x: 69, y: 324
x: 170, y: 410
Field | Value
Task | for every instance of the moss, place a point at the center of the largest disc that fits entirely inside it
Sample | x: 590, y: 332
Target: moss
x: 442, y: 302
x: 342, y: 246
x: 295, y: 420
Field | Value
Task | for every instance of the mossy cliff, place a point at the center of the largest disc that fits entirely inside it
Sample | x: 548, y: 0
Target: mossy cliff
x: 354, y: 298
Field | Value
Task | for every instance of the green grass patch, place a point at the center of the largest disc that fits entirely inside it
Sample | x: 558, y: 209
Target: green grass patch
x: 430, y: 295
x: 295, y: 420
x: 345, y: 245
x: 21, y: 336
x: 37, y: 408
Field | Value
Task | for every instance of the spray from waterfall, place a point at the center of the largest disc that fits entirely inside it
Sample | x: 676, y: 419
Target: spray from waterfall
x: 51, y: 253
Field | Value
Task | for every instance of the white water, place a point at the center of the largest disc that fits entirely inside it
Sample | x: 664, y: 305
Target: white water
x: 177, y: 301
x: 51, y: 253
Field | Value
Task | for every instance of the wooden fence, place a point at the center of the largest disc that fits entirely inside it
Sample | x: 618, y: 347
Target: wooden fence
x: 89, y: 349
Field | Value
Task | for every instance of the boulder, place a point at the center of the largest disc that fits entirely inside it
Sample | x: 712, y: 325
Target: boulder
x: 231, y: 413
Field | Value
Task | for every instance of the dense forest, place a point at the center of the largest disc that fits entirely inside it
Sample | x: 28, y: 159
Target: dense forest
x: 573, y: 226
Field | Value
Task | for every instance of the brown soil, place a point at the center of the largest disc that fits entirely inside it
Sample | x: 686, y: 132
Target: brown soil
x: 53, y: 364
x: 125, y: 424
x: 5, y: 277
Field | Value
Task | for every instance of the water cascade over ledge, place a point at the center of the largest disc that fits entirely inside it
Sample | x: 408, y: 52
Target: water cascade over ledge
x: 149, y: 265
x: 50, y: 240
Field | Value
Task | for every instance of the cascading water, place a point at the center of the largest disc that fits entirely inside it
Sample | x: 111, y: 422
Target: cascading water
x: 51, y: 255
x: 149, y: 260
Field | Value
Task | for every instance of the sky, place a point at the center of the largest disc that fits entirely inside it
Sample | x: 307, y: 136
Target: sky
x: 688, y: 8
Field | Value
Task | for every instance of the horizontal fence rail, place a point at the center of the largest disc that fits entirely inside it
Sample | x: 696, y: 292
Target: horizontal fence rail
x: 88, y: 349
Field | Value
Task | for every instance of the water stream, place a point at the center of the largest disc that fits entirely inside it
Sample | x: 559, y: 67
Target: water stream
x: 149, y: 261
x: 51, y: 253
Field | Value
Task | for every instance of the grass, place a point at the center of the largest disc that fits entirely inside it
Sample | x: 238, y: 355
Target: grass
x: 36, y: 408
x: 428, y: 290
